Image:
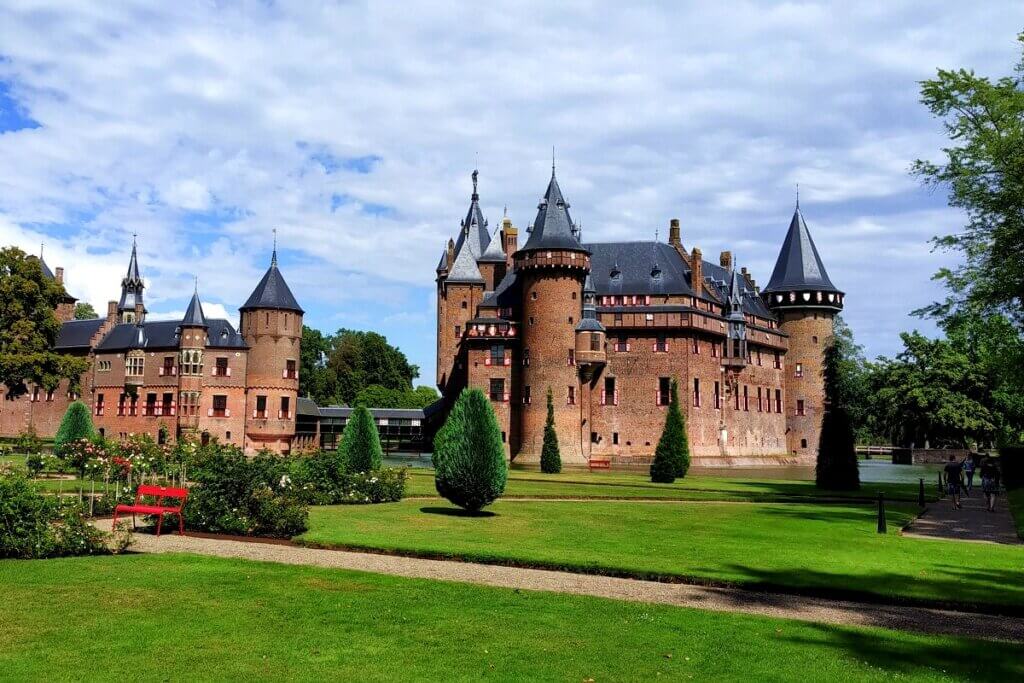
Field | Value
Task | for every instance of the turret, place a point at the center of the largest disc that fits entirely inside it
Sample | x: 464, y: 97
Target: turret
x: 552, y: 267
x: 271, y: 324
x: 806, y: 303
x: 130, y: 308
x: 192, y: 335
x: 736, y: 344
x: 460, y: 289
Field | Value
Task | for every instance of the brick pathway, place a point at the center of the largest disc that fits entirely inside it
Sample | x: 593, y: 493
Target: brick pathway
x: 973, y: 522
x: 777, y: 605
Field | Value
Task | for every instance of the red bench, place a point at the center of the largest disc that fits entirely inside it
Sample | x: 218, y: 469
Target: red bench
x: 159, y: 509
x: 600, y: 464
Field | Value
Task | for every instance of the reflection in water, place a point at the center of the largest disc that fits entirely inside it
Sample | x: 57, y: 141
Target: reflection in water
x: 871, y: 471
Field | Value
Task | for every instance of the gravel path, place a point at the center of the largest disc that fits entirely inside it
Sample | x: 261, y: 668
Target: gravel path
x: 973, y: 522
x: 778, y: 605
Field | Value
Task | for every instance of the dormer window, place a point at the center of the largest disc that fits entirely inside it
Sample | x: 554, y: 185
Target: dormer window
x: 615, y: 273
x: 656, y: 272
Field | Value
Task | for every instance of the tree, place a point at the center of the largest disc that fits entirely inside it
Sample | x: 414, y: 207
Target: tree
x: 550, y: 458
x: 836, y: 468
x: 983, y: 170
x: 672, y: 455
x: 85, y: 311
x: 469, y: 457
x: 74, y: 426
x: 376, y: 396
x: 28, y: 327
x: 360, y: 442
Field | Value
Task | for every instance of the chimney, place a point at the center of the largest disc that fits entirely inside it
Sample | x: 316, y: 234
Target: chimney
x: 60, y: 275
x: 511, y: 235
x: 673, y: 233
x: 697, y: 272
x: 725, y: 260
x: 112, y: 311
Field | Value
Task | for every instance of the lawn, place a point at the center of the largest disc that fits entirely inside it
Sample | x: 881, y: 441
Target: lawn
x: 181, y: 617
x: 814, y: 548
x: 628, y: 485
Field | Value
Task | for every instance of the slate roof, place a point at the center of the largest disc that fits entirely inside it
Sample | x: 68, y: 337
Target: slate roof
x: 443, y: 263
x: 387, y: 413
x: 553, y: 227
x: 589, y: 322
x: 718, y: 279
x: 194, y: 313
x: 306, y: 406
x: 493, y: 253
x: 629, y: 268
x: 75, y: 334
x: 476, y: 234
x: 164, y: 334
x: 464, y: 269
x: 272, y: 292
x: 799, y: 266
x: 505, y: 295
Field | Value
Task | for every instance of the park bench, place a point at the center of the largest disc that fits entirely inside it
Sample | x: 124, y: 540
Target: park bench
x: 158, y: 509
x: 599, y: 464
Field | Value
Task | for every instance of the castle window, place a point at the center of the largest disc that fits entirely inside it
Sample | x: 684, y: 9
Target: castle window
x: 526, y: 356
x: 526, y: 394
x: 799, y: 371
x: 260, y: 411
x: 664, y: 391
x: 286, y: 321
x: 497, y: 389
x: 574, y: 296
x: 291, y: 370
x: 609, y: 395
x: 571, y: 396
x: 191, y: 362
x: 49, y: 395
x: 595, y: 341
x: 593, y: 437
x: 465, y: 305
x: 800, y: 407
x: 814, y: 339
x: 266, y: 320
x: 149, y: 410
x: 497, y: 355
x: 220, y: 407
x: 759, y: 400
x: 99, y: 404
x: 103, y: 366
x: 778, y: 361
x: 622, y: 344
x: 718, y: 396
x: 615, y: 438
x: 572, y: 358
x: 458, y: 331
x: 696, y: 392
x: 167, y: 369
x: 714, y: 349
x: 189, y: 403
x: 618, y: 317
x: 504, y: 437
x: 778, y: 400
x: 746, y: 398
x: 533, y: 295
x: 286, y: 409
x: 220, y: 367
x: 166, y: 406
x: 570, y: 320
x: 696, y: 345
x: 660, y: 344
x: 134, y: 364
x: 803, y: 443
x: 759, y: 357
x: 531, y: 320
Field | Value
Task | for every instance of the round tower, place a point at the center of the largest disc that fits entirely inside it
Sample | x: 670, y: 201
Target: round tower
x: 271, y: 324
x: 806, y: 302
x: 552, y: 268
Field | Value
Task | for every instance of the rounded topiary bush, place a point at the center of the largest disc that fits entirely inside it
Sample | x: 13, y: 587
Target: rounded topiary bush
x: 360, y: 442
x: 469, y: 458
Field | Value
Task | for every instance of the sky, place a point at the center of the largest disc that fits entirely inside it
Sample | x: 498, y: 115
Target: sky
x: 352, y: 129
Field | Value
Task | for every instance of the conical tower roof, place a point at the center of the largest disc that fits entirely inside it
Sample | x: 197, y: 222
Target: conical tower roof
x: 799, y: 266
x: 465, y: 269
x: 132, y: 284
x: 474, y: 226
x: 272, y: 292
x: 194, y: 316
x: 493, y: 253
x: 553, y: 228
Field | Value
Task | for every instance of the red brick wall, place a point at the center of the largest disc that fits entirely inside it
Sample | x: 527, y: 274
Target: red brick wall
x: 808, y: 331
x: 480, y: 373
x: 273, y: 338
x: 456, y: 304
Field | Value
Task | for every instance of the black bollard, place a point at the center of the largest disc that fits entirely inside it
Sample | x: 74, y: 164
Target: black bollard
x: 920, y: 494
x: 881, y: 513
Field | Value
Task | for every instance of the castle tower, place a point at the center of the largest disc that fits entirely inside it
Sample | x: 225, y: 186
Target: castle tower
x: 460, y: 289
x: 271, y: 324
x: 192, y: 347
x: 590, y: 356
x: 130, y: 308
x: 552, y: 267
x: 806, y: 303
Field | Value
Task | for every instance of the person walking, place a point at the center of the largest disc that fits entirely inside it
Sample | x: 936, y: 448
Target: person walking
x: 969, y: 466
x: 990, y: 481
x: 954, y: 473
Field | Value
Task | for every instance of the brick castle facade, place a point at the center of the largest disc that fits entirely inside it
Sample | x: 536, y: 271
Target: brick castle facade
x: 196, y: 376
x: 606, y: 327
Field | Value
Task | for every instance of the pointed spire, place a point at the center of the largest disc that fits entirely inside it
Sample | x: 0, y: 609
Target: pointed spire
x: 588, y: 321
x: 194, y: 316
x: 552, y: 161
x: 494, y: 252
x: 553, y: 228
x: 273, y: 254
x: 132, y: 284
x: 476, y: 195
x: 474, y: 226
x: 799, y: 266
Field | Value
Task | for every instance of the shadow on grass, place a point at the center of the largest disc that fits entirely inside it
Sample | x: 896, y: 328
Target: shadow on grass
x: 959, y: 658
x: 457, y: 512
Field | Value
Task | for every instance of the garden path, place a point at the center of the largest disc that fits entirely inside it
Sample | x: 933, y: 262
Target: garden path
x: 973, y: 522
x: 778, y: 605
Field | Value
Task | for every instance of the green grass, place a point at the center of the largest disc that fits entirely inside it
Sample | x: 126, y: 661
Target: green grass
x: 1016, y: 499
x: 628, y: 485
x: 181, y: 617
x: 827, y: 549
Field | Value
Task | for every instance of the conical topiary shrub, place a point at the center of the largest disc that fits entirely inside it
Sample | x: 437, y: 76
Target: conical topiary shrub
x: 469, y: 458
x: 550, y: 458
x: 74, y: 426
x: 836, y: 469
x: 360, y: 442
x: 672, y: 456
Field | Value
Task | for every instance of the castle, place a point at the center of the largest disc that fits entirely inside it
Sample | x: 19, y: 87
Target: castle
x: 196, y: 376
x: 606, y: 327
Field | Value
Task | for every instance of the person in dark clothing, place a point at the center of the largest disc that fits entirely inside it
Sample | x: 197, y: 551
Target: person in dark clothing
x: 990, y: 481
x: 954, y: 472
